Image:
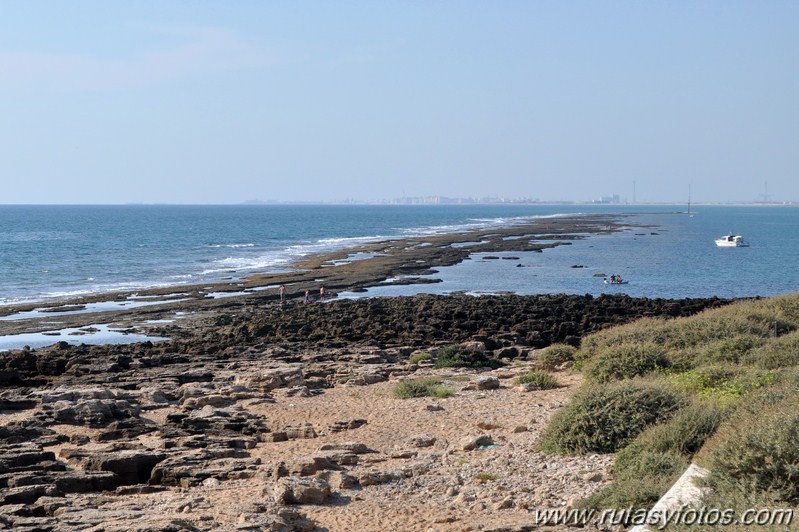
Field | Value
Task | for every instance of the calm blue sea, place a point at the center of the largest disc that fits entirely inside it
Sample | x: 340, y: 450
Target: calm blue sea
x: 53, y: 252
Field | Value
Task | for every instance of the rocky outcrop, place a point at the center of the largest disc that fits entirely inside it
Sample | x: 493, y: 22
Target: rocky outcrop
x: 193, y: 415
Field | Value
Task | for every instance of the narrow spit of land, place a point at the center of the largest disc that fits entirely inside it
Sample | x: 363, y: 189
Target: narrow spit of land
x: 261, y: 416
x: 394, y: 261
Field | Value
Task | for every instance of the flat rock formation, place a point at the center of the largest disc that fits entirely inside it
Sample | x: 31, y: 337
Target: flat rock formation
x: 257, y: 416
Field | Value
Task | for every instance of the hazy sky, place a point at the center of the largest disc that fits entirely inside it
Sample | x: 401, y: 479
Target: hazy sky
x: 221, y: 102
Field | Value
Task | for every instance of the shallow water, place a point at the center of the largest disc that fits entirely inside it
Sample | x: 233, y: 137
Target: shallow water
x: 75, y: 336
x: 54, y: 252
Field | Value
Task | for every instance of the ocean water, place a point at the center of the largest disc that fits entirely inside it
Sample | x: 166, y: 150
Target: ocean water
x: 54, y: 252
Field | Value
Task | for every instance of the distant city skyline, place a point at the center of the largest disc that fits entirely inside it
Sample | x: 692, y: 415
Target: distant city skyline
x: 288, y: 101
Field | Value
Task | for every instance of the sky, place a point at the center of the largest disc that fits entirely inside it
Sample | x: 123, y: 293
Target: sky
x: 195, y: 101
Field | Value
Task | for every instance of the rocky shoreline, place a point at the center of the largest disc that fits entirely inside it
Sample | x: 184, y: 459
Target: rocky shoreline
x: 257, y: 415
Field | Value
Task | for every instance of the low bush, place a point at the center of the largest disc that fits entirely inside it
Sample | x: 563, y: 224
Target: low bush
x: 484, y: 476
x: 424, y: 387
x: 653, y: 461
x: 723, y: 384
x: 605, y: 418
x: 539, y: 380
x: 418, y: 357
x: 683, y: 434
x: 625, y: 361
x: 730, y: 349
x: 780, y: 352
x: 758, y: 453
x: 556, y: 355
x: 637, y: 494
x: 457, y: 357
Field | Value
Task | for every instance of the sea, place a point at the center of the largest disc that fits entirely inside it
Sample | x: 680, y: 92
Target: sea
x: 52, y: 253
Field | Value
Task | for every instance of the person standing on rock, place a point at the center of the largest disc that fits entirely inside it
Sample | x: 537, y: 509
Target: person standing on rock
x: 282, y: 292
x: 321, y: 293
x: 307, y: 296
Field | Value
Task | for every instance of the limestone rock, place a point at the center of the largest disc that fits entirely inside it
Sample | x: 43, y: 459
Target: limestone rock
x: 301, y: 490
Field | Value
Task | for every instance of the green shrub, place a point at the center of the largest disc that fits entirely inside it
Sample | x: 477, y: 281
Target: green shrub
x: 758, y: 453
x: 626, y: 361
x: 651, y: 463
x: 605, y: 418
x: 424, y: 387
x: 780, y: 352
x: 726, y: 333
x: 457, y: 357
x: 640, y: 493
x: 556, y: 355
x: 418, y: 357
x: 723, y: 384
x: 730, y: 349
x: 683, y: 434
x: 484, y: 476
x: 539, y: 380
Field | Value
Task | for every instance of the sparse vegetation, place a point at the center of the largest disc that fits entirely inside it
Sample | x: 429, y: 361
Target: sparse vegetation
x: 539, y: 380
x: 556, y: 355
x: 424, y: 387
x: 484, y: 476
x: 757, y: 451
x: 419, y: 357
x: 455, y: 356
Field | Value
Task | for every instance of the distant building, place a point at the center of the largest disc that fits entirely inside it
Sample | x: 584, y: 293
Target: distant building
x: 609, y: 199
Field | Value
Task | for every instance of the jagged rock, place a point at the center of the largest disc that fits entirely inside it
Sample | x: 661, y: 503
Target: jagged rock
x: 371, y: 478
x: 90, y: 412
x: 338, y: 480
x: 192, y: 468
x: 214, y: 400
x: 272, y: 379
x: 301, y: 490
x: 340, y: 426
x: 130, y: 466
x: 471, y: 443
x: 349, y: 446
x: 25, y: 494
x: 304, y: 432
x: 424, y: 440
x: 216, y: 421
x: 68, y: 481
x: 487, y: 383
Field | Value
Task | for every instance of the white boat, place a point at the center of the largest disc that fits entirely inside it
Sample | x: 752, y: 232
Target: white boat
x: 731, y: 241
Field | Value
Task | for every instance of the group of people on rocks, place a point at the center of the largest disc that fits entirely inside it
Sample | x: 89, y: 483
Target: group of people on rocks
x: 307, y: 299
